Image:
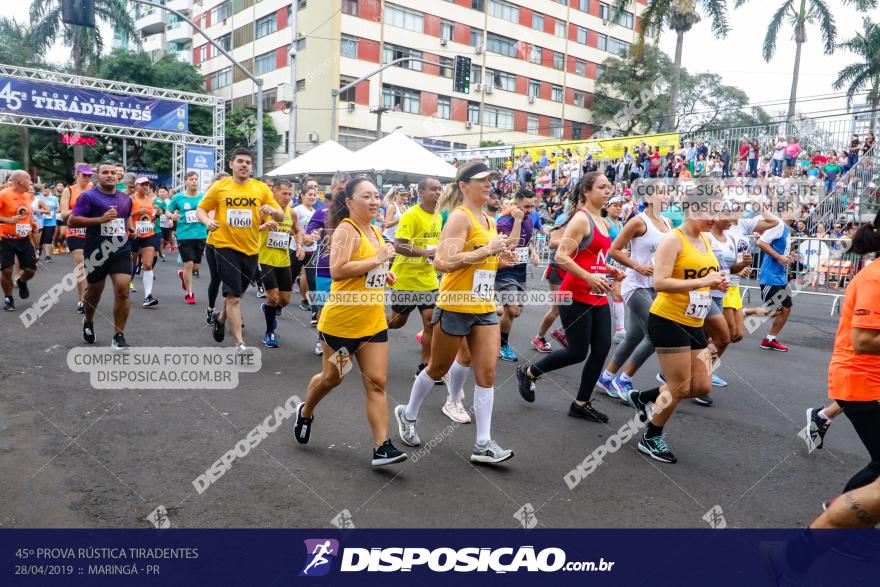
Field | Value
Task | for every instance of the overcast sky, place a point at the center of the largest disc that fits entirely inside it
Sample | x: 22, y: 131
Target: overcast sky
x: 736, y: 58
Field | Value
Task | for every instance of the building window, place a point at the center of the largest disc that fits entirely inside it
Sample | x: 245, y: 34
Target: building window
x: 221, y: 11
x: 446, y: 66
x: 532, y: 124
x: 476, y: 38
x: 476, y: 74
x: 537, y: 21
x: 301, y: 44
x: 603, y: 11
x: 582, y: 35
x: 504, y: 10
x: 266, y: 26
x: 478, y: 5
x: 498, y: 117
x: 221, y: 78
x: 350, y: 7
x: 446, y: 29
x: 556, y: 128
x: 270, y: 97
x: 225, y: 41
x: 556, y: 93
x: 577, y: 131
x: 617, y: 46
x: 535, y: 55
x: 598, y: 71
x: 444, y: 107
x: 602, y: 41
x: 300, y: 85
x: 265, y: 63
x: 558, y: 60
x: 392, y: 52
x: 584, y: 5
x: 473, y: 113
x: 579, y: 99
x: 501, y: 45
x: 203, y: 53
x: 560, y: 29
x: 534, y: 88
x: 350, y: 94
x: 580, y: 67
x: 348, y: 46
x: 405, y: 19
x: 401, y: 99
x: 501, y: 80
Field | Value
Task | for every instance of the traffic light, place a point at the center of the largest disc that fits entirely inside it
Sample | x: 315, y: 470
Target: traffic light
x: 78, y: 12
x: 462, y: 75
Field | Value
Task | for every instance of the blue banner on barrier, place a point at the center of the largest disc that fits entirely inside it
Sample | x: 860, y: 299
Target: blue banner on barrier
x: 202, y: 160
x: 47, y: 100
x: 616, y: 558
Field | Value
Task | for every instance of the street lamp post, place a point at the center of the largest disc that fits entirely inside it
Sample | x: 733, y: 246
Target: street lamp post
x: 251, y: 76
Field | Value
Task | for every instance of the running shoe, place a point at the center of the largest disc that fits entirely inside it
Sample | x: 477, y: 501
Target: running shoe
x: 506, y: 353
x: 196, y: 274
x: 118, y: 343
x: 314, y: 320
x: 632, y: 398
x: 606, y: 385
x: 491, y: 453
x: 622, y: 387
x: 89, y: 332
x: 661, y: 379
x: 278, y: 310
x: 137, y: 270
x: 718, y: 382
x: 9, y: 304
x: 559, y: 335
x: 242, y: 350
x: 387, y: 454
x: 304, y: 306
x: 274, y: 320
x: 210, y: 317
x: 419, y: 336
x: 704, y: 400
x: 80, y: 308
x: 773, y: 345
x: 587, y: 412
x: 219, y: 330
x: 419, y: 369
x: 302, y: 426
x: 406, y: 428
x: 48, y: 259
x: 817, y: 427
x: 131, y: 286
x: 261, y: 291
x: 541, y: 345
x: 190, y: 298
x: 270, y: 340
x: 23, y: 291
x: 526, y: 384
x: 456, y: 412
x: 656, y: 448
x: 319, y: 349
x: 150, y: 301
x: 619, y: 335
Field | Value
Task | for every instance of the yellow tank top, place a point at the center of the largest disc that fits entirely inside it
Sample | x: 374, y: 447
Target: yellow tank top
x: 687, y: 308
x: 471, y: 289
x: 275, y: 244
x: 356, y: 306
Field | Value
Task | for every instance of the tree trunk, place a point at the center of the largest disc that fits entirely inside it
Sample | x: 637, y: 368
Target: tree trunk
x: 800, y: 37
x: 676, y: 82
x: 875, y: 99
x: 24, y: 136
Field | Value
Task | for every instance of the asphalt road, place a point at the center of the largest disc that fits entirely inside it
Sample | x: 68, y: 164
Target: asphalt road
x: 75, y: 456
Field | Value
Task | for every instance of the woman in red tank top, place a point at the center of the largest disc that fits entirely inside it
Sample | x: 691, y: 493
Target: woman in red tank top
x: 585, y: 316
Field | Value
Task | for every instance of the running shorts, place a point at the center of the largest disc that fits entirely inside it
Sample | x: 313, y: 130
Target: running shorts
x: 279, y: 278
x: 166, y: 236
x: 191, y: 250
x: 510, y: 292
x: 20, y: 248
x: 404, y: 302
x: 115, y: 263
x: 733, y: 299
x: 145, y: 242
x: 47, y: 235
x: 460, y: 323
x: 75, y: 243
x: 776, y: 296
x: 552, y: 275
x: 236, y: 271
x: 668, y: 334
x: 352, y: 344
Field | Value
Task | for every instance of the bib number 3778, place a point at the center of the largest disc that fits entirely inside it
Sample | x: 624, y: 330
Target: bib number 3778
x: 698, y: 306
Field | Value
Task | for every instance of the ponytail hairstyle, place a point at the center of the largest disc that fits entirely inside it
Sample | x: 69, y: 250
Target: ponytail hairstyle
x: 450, y: 198
x: 867, y: 239
x: 340, y: 209
x: 584, y: 185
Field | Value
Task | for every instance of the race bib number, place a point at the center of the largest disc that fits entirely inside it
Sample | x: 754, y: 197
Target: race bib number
x: 376, y: 277
x: 164, y: 222
x: 522, y: 255
x: 143, y: 227
x: 699, y: 305
x: 484, y: 284
x: 191, y: 217
x: 22, y: 229
x: 76, y: 232
x: 430, y: 260
x: 239, y: 218
x: 278, y: 240
x: 115, y: 227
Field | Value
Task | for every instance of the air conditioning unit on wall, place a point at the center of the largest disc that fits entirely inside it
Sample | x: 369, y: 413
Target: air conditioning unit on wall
x: 443, y: 42
x: 469, y: 124
x: 490, y: 89
x: 531, y: 99
x: 313, y: 137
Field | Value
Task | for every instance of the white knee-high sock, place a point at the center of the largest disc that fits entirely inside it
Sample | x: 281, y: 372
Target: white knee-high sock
x: 619, y: 312
x: 484, y: 398
x: 148, y: 282
x: 456, y: 376
x: 420, y: 389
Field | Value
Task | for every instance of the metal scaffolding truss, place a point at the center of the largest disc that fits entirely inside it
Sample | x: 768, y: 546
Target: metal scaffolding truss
x: 69, y: 125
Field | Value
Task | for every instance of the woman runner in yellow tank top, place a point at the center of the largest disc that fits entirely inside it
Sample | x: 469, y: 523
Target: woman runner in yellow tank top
x: 352, y: 323
x: 685, y: 269
x: 469, y: 253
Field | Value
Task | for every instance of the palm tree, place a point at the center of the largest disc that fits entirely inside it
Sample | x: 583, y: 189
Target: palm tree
x: 800, y: 13
x: 680, y: 16
x: 865, y: 73
x: 18, y: 47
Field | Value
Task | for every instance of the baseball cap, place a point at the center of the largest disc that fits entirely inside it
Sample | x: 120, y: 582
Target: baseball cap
x: 85, y: 170
x: 615, y: 200
x: 141, y: 180
x: 473, y: 171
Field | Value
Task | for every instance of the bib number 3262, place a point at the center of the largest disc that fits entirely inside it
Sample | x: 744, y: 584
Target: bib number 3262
x: 698, y: 306
x: 115, y: 227
x: 239, y: 218
x: 376, y: 277
x: 484, y: 284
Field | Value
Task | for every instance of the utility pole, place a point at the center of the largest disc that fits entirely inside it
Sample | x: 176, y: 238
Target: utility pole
x: 251, y: 76
x: 379, y: 112
x: 291, y: 127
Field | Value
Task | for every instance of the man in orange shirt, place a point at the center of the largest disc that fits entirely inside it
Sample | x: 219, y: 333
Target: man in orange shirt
x: 16, y: 226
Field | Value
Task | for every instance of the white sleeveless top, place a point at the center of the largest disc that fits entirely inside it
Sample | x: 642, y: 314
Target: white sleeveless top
x: 642, y: 249
x: 726, y: 254
x: 389, y: 233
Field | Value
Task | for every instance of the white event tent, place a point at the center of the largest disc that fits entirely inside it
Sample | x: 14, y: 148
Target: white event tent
x: 325, y: 159
x: 396, y: 157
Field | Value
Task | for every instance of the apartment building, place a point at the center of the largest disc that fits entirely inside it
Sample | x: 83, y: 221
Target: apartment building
x: 160, y: 31
x: 534, y: 65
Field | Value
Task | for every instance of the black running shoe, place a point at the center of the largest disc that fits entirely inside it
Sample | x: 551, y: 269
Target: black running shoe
x: 89, y: 332
x: 196, y: 273
x: 302, y: 426
x: 80, y: 308
x: 118, y: 343
x: 656, y: 448
x: 210, y: 317
x: 704, y: 400
x: 23, y: 291
x: 587, y: 412
x: 632, y: 398
x: 817, y: 427
x: 219, y: 330
x: 526, y: 384
x: 314, y: 320
x: 387, y: 454
x: 304, y: 306
x: 419, y: 369
x: 9, y: 304
x: 150, y: 301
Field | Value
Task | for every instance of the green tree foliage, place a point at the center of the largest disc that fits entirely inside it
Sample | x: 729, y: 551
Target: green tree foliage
x: 241, y: 131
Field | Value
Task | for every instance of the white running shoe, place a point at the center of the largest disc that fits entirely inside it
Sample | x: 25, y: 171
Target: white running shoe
x: 456, y: 412
x: 319, y: 350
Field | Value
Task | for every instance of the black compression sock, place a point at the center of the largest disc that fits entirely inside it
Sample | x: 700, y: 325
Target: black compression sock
x: 269, y: 314
x: 649, y: 395
x: 504, y: 337
x: 653, y: 430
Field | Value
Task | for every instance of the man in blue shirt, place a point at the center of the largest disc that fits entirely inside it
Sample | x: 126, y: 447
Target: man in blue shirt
x: 773, y: 279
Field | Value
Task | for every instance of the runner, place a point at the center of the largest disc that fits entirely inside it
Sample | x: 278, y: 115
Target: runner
x: 58, y: 240
x: 685, y: 269
x: 211, y: 258
x: 775, y: 242
x: 554, y: 279
x: 76, y: 237
x: 274, y: 258
x: 237, y: 202
x: 164, y: 224
x: 105, y: 213
x: 146, y: 241
x: 468, y: 253
x: 304, y: 212
x: 643, y: 234
x: 510, y: 282
x: 191, y: 233
x: 350, y: 328
x: 613, y: 209
x: 587, y: 321
x: 16, y: 225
